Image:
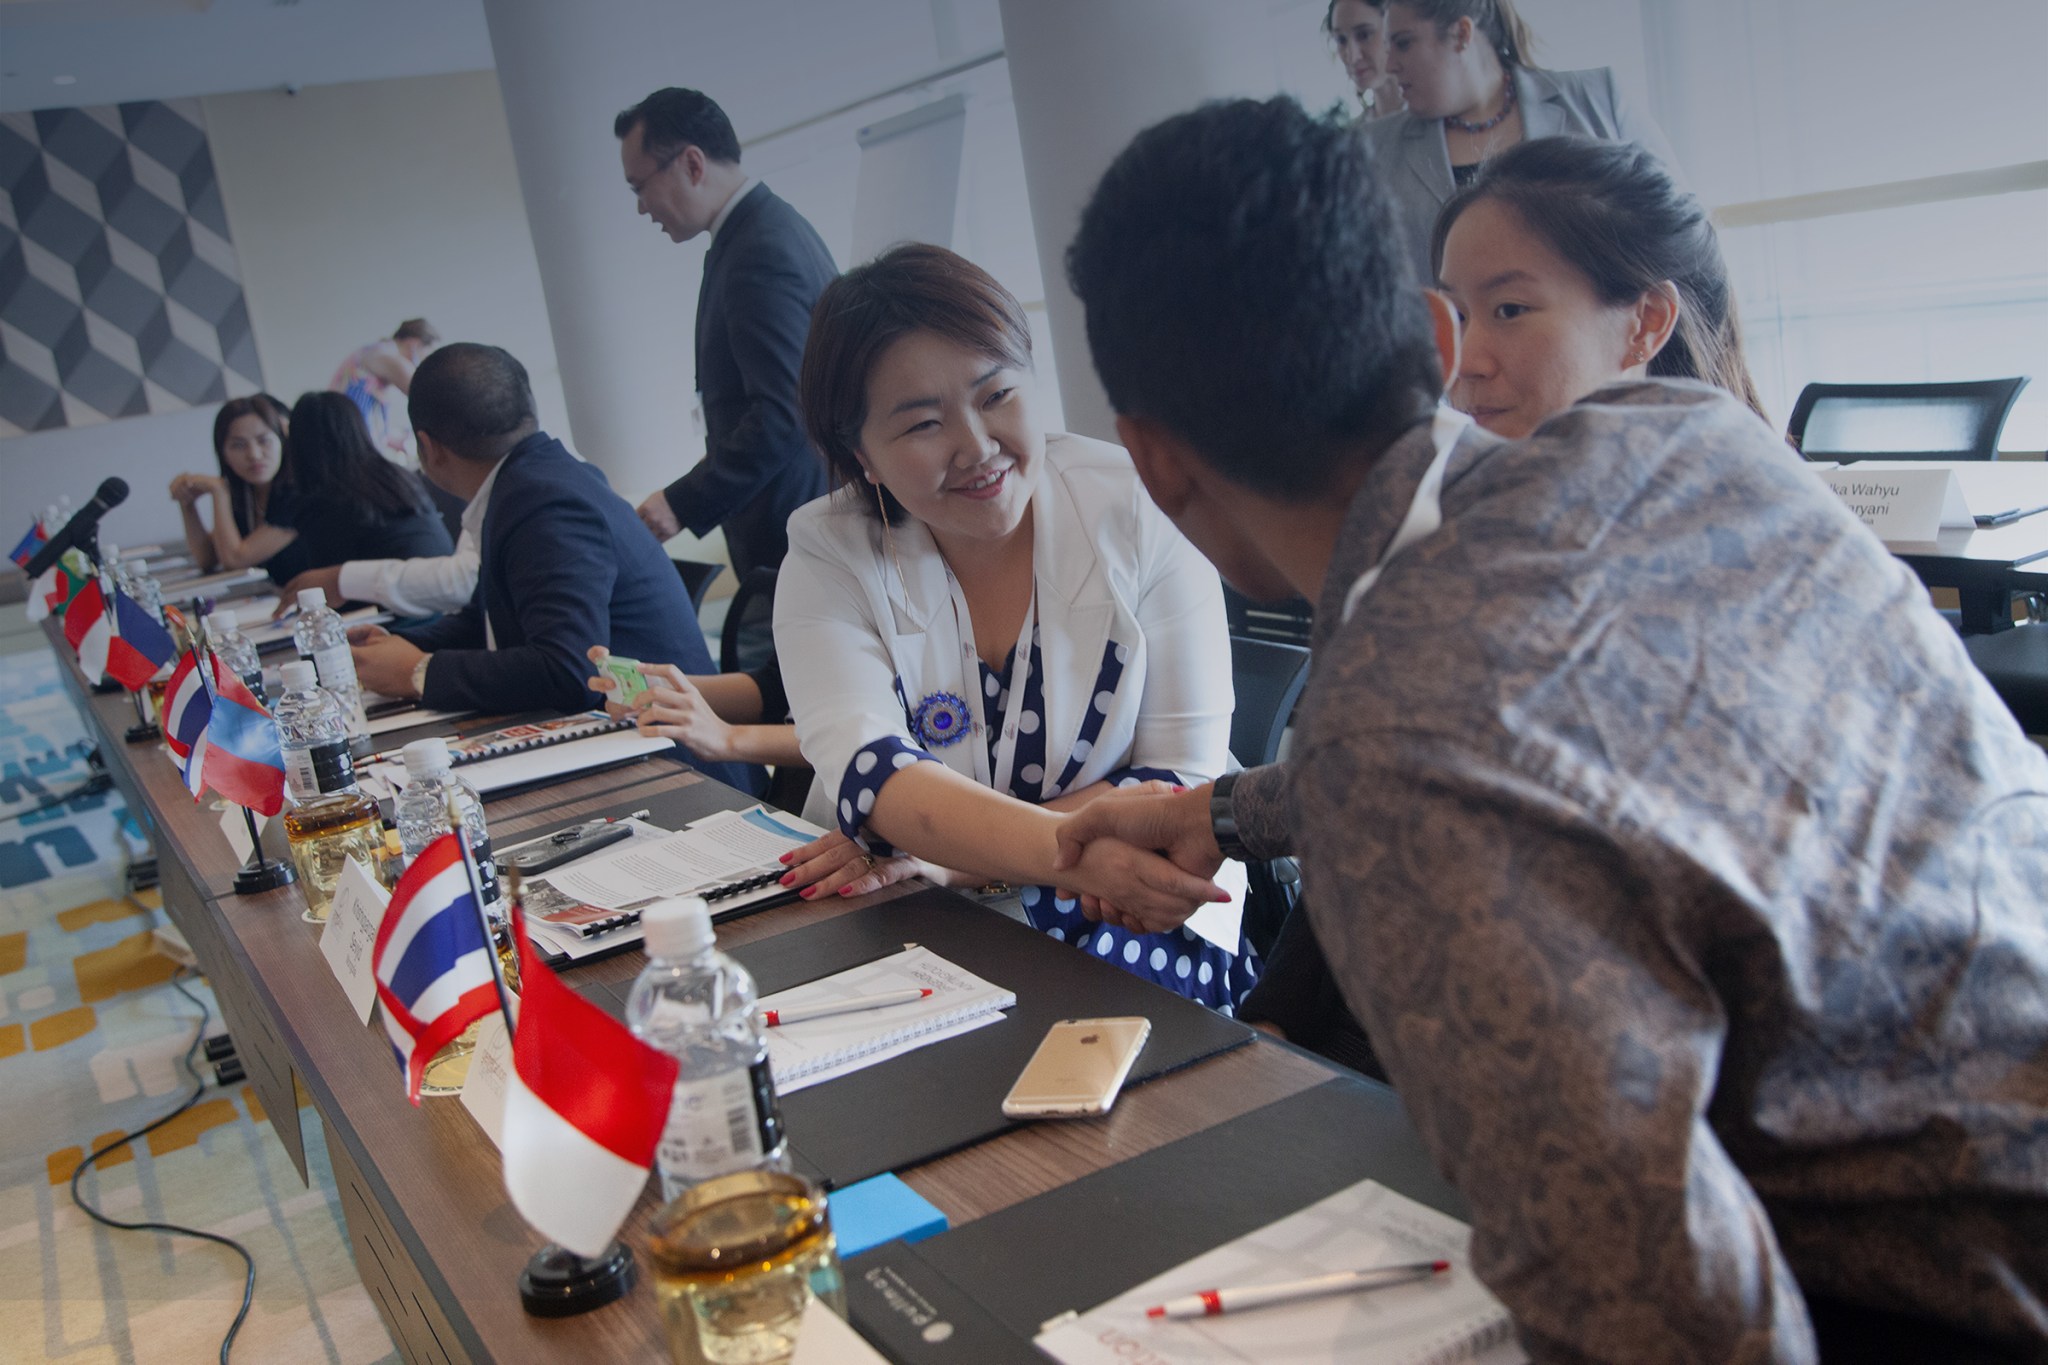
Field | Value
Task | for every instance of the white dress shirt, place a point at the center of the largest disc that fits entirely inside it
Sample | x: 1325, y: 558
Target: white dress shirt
x: 416, y: 587
x: 746, y: 188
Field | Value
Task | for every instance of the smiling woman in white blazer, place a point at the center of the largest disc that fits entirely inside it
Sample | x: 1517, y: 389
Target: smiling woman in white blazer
x: 985, y: 626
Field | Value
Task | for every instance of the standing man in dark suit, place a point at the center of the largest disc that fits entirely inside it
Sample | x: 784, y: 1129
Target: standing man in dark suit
x: 564, y: 563
x: 765, y: 269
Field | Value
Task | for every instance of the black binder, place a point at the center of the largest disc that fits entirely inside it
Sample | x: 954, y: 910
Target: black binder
x: 997, y: 1280
x: 948, y: 1095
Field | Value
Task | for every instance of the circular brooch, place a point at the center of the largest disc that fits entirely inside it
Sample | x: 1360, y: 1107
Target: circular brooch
x: 941, y: 719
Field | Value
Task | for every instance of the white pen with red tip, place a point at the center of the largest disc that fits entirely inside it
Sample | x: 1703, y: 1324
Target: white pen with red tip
x: 1210, y: 1302
x: 825, y: 1009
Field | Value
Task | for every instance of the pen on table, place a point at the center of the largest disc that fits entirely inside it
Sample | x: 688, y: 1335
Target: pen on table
x: 2009, y: 516
x: 1210, y: 1302
x: 796, y: 1014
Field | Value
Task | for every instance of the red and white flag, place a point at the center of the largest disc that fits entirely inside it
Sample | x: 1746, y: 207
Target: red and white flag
x: 584, y: 1110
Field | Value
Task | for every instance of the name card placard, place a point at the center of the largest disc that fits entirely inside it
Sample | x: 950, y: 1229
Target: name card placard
x: 236, y: 828
x: 1902, y: 504
x: 351, y: 934
x: 490, y: 1072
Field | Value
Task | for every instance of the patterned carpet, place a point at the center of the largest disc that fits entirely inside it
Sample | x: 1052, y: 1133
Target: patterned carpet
x: 91, y: 1036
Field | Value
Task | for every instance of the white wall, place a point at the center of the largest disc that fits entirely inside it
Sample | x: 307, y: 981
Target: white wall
x: 352, y: 207
x: 357, y: 206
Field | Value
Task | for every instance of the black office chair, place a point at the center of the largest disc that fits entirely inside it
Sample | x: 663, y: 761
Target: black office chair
x: 697, y: 578
x: 1286, y: 623
x: 748, y: 640
x: 1268, y: 677
x: 1960, y: 421
x: 2015, y: 662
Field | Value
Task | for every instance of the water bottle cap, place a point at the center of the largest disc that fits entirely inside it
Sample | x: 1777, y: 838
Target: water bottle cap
x: 677, y: 928
x: 312, y: 599
x: 426, y: 757
x: 299, y: 675
x: 218, y: 622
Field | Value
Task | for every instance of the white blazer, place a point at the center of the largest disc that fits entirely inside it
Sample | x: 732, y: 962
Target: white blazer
x: 860, y: 648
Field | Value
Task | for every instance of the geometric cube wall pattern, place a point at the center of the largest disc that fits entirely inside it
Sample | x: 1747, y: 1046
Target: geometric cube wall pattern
x: 119, y: 290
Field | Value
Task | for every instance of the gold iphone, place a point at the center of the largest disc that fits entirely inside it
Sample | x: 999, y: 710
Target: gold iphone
x: 1078, y: 1068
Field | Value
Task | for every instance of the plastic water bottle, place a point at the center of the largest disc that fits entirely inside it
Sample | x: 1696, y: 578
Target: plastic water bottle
x: 696, y: 1004
x: 322, y: 638
x: 423, y: 813
x: 234, y: 649
x: 330, y: 819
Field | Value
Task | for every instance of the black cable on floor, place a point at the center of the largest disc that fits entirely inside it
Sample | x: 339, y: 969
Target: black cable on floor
x: 198, y: 1089
x: 93, y: 786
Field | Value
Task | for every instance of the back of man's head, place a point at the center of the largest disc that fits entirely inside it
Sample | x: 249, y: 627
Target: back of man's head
x: 1245, y: 289
x: 473, y: 399
x: 673, y: 118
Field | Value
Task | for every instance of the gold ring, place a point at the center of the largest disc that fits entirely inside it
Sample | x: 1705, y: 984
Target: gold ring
x: 869, y: 859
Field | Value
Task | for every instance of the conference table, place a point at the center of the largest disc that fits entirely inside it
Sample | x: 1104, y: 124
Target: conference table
x: 437, y: 1242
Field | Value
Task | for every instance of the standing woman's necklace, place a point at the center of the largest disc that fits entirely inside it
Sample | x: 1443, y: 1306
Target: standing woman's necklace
x: 1507, y: 106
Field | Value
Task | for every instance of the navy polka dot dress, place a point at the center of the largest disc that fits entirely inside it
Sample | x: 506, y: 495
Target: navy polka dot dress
x: 1183, y: 962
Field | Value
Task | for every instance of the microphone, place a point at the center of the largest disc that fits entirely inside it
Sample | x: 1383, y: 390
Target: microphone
x: 81, y: 527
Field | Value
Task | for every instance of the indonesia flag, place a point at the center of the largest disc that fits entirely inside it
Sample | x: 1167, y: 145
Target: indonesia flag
x: 242, y: 760
x: 433, y: 968
x: 186, y: 707
x: 584, y: 1110
x: 87, y: 631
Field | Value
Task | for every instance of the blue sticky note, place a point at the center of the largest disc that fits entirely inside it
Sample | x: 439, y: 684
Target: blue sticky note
x: 881, y: 1209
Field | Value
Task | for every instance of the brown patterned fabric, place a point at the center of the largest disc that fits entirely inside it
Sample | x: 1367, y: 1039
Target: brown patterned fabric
x: 1693, y: 887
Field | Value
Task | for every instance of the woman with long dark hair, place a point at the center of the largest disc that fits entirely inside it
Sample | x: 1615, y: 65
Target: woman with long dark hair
x: 343, y: 500
x: 1357, y: 30
x: 1577, y: 264
x: 248, y: 446
x: 1464, y: 69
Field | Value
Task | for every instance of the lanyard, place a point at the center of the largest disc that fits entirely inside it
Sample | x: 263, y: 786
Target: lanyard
x: 1425, y: 513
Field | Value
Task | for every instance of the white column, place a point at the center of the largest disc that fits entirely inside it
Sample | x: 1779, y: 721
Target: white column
x: 621, y: 297
x: 1087, y: 75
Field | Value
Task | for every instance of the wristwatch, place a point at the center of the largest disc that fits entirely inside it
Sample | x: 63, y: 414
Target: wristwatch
x: 419, y: 676
x: 1223, y: 818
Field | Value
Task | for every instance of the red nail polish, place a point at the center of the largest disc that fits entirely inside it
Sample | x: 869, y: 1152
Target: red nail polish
x: 786, y: 857
x: 788, y: 878
x: 846, y: 891
x: 808, y: 892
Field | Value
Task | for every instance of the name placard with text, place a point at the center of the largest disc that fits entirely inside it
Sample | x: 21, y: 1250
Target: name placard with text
x: 1902, y: 504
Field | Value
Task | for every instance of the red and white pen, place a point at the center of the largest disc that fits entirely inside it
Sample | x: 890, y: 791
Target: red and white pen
x: 796, y: 1014
x: 1211, y: 1302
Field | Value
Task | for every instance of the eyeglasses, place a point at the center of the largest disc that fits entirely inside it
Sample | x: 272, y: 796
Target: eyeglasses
x: 639, y: 187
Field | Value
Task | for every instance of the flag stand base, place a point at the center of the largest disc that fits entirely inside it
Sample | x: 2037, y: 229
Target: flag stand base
x: 141, y: 731
x: 261, y: 874
x: 557, y: 1283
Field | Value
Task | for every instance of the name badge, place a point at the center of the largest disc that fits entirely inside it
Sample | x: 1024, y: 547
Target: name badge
x: 351, y: 935
x: 1902, y: 504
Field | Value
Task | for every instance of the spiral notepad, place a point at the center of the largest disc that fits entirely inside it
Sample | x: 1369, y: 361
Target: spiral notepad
x: 815, y: 1050
x: 1441, y: 1321
x: 518, y: 739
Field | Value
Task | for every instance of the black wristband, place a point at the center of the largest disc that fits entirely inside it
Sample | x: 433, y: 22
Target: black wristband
x: 1223, y: 818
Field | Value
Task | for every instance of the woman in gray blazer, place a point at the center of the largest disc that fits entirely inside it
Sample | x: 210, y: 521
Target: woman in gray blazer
x: 1463, y: 68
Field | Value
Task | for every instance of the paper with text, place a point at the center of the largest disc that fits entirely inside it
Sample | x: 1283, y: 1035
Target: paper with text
x: 1449, y: 1318
x: 718, y: 849
x: 490, y: 1071
x: 823, y: 1338
x: 351, y: 933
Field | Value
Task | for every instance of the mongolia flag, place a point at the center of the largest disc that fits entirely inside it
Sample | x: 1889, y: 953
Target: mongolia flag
x: 124, y: 644
x: 186, y: 707
x: 238, y: 754
x: 26, y: 548
x: 584, y: 1111
x: 433, y: 968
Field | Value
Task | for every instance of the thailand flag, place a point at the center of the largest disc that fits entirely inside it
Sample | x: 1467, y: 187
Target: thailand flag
x: 25, y: 549
x: 433, y: 968
x: 186, y: 707
x: 584, y: 1111
x: 241, y: 759
x: 124, y: 644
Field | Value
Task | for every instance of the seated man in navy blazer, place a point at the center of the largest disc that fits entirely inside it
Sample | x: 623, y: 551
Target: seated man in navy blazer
x: 565, y: 562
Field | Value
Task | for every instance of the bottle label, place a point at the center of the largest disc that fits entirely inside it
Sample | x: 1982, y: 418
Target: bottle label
x: 720, y: 1124
x: 253, y: 680
x: 486, y: 870
x: 319, y: 770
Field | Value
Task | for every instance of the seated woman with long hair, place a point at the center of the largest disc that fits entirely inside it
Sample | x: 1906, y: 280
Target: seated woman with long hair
x: 341, y: 499
x: 987, y: 624
x: 1576, y: 264
x: 248, y: 446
